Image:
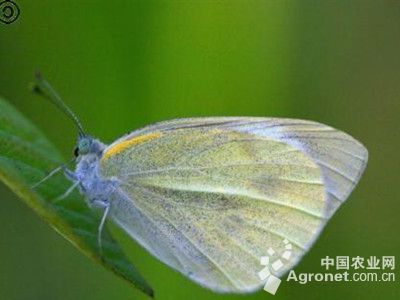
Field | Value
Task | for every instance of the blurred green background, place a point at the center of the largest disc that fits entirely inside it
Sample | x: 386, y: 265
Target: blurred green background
x: 124, y: 64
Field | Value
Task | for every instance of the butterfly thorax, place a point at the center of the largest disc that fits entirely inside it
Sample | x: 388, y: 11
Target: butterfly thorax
x: 92, y: 184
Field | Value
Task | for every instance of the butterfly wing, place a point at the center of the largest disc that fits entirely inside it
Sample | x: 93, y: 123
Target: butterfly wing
x: 209, y: 196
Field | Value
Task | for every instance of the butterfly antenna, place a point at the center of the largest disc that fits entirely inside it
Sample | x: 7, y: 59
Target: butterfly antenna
x: 44, y: 89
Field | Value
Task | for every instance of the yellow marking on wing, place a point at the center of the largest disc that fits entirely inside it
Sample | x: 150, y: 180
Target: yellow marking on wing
x: 117, y: 148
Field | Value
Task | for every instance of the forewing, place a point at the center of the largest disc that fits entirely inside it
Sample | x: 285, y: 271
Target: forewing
x: 210, y: 196
x: 342, y: 159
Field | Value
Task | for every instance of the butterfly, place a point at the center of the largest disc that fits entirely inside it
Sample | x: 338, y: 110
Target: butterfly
x: 209, y: 196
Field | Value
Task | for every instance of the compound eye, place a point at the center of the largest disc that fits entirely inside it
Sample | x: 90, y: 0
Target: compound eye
x: 76, y: 152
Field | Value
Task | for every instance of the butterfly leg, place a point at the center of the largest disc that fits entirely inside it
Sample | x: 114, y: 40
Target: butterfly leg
x: 53, y: 172
x: 106, y: 208
x: 67, y: 192
x: 70, y: 174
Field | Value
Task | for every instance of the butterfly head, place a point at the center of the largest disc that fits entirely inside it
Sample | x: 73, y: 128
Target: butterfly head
x: 88, y: 145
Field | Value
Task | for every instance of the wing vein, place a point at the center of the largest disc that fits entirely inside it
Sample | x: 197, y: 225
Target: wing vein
x: 233, y: 282
x: 123, y: 194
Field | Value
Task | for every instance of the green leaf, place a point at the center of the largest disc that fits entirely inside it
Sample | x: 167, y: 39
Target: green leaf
x: 25, y: 157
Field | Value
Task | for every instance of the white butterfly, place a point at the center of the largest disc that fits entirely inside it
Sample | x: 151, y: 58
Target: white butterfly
x: 209, y: 196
